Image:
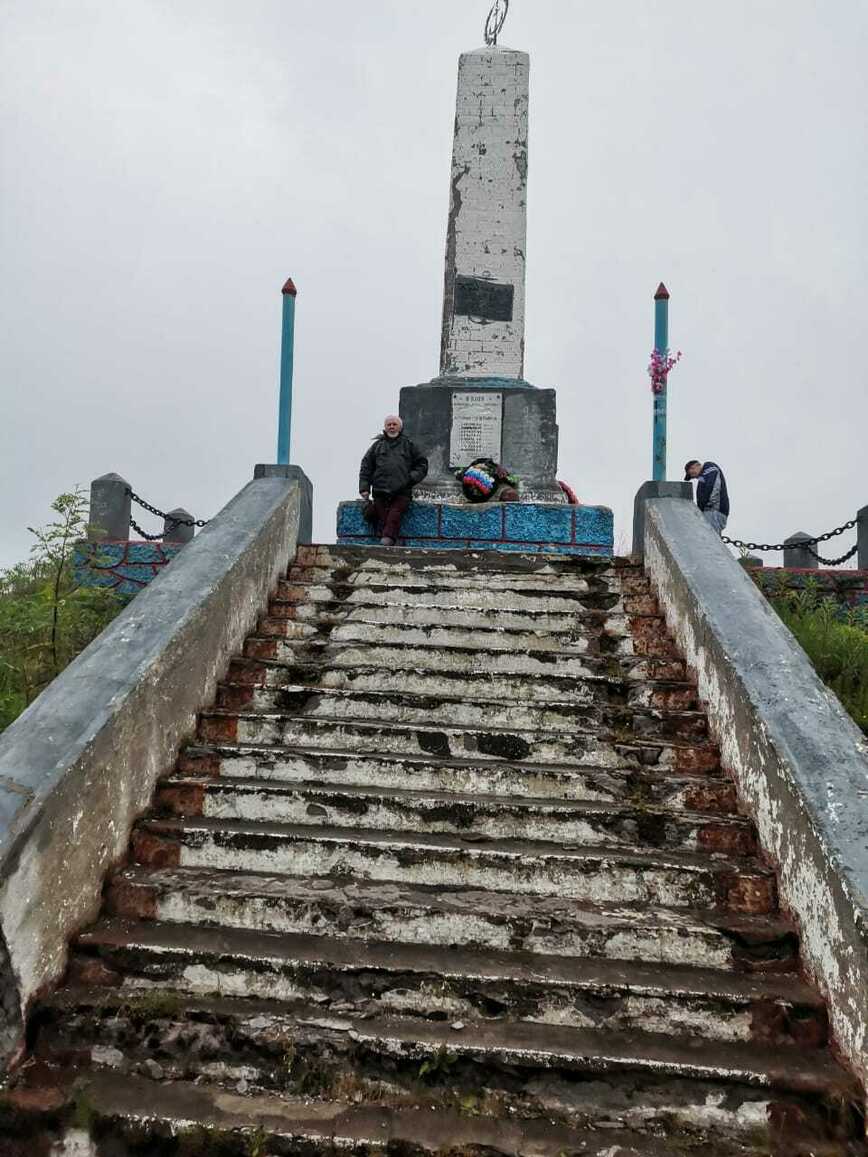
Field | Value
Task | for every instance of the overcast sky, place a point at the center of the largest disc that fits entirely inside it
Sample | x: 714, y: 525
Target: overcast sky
x: 166, y: 165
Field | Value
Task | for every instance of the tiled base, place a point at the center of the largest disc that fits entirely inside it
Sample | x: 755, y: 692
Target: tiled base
x: 513, y: 526
x: 124, y: 567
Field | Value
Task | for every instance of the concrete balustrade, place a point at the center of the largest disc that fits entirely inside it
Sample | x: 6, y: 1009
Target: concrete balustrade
x: 799, y: 762
x: 81, y: 762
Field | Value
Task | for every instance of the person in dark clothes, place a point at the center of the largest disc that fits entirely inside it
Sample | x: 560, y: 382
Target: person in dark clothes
x: 712, y: 496
x: 390, y: 469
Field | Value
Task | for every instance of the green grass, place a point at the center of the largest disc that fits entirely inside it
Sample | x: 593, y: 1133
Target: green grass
x: 836, y: 642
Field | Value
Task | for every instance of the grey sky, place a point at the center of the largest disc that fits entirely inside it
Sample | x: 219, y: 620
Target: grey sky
x: 165, y: 166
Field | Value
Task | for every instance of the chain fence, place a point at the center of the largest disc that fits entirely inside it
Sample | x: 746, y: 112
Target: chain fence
x: 170, y: 520
x: 806, y: 543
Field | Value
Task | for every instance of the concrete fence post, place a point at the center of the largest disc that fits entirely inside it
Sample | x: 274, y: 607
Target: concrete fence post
x: 862, y: 538
x: 173, y: 531
x: 796, y: 555
x: 109, y: 509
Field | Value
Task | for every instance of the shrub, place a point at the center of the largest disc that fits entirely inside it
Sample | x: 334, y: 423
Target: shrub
x: 835, y: 641
x: 46, y: 619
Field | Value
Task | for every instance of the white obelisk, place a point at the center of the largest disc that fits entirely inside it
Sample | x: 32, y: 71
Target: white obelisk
x: 484, y: 296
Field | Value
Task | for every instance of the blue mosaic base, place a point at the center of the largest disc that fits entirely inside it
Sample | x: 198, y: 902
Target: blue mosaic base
x: 124, y: 567
x: 513, y: 526
x: 473, y: 522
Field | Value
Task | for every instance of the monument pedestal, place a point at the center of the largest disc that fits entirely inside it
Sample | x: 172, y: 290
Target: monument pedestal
x: 526, y: 527
x: 457, y: 419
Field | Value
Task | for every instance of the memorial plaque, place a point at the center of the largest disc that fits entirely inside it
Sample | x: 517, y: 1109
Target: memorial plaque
x: 488, y: 300
x: 477, y: 422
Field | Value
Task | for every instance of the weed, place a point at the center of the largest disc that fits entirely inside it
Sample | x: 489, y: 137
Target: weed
x: 155, y: 1004
x: 256, y: 1143
x: 83, y: 1111
x: 309, y: 1077
x: 437, y: 1067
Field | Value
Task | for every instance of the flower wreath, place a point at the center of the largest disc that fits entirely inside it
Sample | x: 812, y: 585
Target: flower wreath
x: 480, y: 478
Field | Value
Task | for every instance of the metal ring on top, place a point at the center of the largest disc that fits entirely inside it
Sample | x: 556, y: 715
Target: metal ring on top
x: 495, y: 22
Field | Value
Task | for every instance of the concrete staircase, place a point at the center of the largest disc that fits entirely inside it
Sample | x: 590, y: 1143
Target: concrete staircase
x: 451, y: 867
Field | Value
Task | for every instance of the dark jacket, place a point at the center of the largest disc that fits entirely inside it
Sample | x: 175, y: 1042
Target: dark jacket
x: 392, y: 466
x: 711, y: 492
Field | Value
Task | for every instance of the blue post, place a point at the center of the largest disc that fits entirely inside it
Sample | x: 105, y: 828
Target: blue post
x: 287, y: 350
x: 661, y: 345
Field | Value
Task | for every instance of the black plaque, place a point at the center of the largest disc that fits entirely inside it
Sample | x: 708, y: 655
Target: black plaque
x: 483, y: 299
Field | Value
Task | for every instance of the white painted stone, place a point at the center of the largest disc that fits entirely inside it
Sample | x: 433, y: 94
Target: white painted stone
x: 487, y: 233
x: 76, y: 1143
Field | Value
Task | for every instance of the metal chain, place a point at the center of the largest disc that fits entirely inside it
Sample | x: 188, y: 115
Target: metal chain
x: 162, y: 514
x: 495, y: 22
x: 144, y: 533
x: 833, y: 561
x: 806, y: 542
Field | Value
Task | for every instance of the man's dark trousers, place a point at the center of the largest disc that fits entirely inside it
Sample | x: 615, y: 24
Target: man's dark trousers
x: 390, y: 509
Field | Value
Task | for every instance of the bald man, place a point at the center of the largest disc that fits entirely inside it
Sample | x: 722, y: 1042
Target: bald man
x: 390, y: 470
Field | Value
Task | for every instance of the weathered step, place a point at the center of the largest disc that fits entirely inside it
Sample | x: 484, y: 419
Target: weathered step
x: 523, y: 652
x: 319, y: 615
x: 134, y: 1110
x: 405, y: 810
x: 598, y: 876
x: 375, y: 593
x: 454, y: 983
x: 699, y: 792
x: 466, y: 660
x: 433, y: 572
x: 579, y: 748
x: 700, y: 1091
x: 648, y: 638
x: 593, y: 701
x: 634, y: 682
x: 508, y: 564
x: 460, y: 917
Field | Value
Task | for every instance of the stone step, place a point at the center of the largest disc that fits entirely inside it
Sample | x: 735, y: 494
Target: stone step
x: 136, y: 1110
x: 705, y: 1093
x: 521, y: 600
x: 457, y: 574
x: 699, y: 792
x: 461, y: 917
x: 467, y: 711
x: 651, y: 639
x: 633, y: 682
x: 404, y: 810
x: 512, y: 564
x: 667, y: 879
x: 586, y: 748
x: 593, y: 701
x: 466, y: 661
x: 317, y: 617
x: 438, y: 983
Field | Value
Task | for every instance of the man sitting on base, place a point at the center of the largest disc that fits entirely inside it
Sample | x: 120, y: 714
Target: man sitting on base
x: 390, y: 469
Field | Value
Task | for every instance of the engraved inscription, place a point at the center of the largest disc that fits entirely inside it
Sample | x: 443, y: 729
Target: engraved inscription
x: 487, y: 300
x: 477, y: 422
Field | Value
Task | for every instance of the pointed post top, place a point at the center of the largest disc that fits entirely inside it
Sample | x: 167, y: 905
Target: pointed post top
x: 662, y: 293
x: 495, y: 22
x: 289, y: 289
